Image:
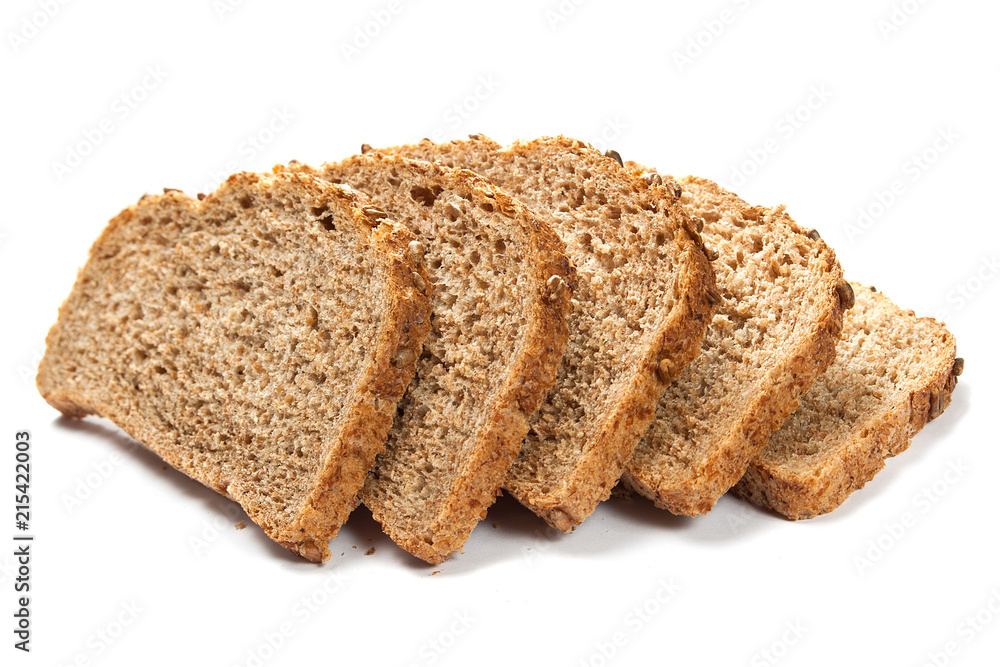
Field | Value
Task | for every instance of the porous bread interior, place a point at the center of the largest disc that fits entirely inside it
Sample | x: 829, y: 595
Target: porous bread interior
x: 484, y: 289
x: 621, y: 241
x: 884, y: 355
x: 236, y: 328
x: 768, y: 274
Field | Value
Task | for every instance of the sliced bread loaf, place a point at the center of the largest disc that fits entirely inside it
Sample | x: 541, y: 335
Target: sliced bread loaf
x: 893, y: 373
x: 773, y: 334
x: 257, y: 341
x: 645, y: 292
x: 502, y: 291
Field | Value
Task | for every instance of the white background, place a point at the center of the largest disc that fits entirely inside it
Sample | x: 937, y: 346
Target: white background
x: 136, y: 564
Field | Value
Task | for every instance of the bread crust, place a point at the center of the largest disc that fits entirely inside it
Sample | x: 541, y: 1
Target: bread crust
x: 609, y: 446
x: 821, y: 489
x: 703, y: 482
x: 367, y: 412
x: 531, y: 372
x: 610, y: 439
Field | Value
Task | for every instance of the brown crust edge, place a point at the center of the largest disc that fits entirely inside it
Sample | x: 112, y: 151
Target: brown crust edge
x: 610, y: 446
x: 528, y: 379
x: 373, y: 401
x: 679, y: 341
x: 728, y: 462
x: 311, y: 543
x: 532, y: 375
x: 891, y: 433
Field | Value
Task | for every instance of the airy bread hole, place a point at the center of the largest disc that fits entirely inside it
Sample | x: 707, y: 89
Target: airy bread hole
x: 426, y: 196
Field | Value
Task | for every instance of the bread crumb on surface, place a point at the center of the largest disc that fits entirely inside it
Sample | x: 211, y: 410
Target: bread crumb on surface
x: 241, y: 525
x: 370, y: 551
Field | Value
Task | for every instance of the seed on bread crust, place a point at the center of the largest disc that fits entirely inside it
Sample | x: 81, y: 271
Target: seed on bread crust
x: 714, y: 297
x: 846, y: 294
x: 365, y: 148
x: 419, y: 283
x: 814, y: 235
x: 664, y: 371
x: 652, y: 178
x: 555, y: 286
x: 405, y: 356
x: 958, y: 367
x: 711, y: 252
x: 614, y: 155
x: 416, y: 250
x: 374, y: 213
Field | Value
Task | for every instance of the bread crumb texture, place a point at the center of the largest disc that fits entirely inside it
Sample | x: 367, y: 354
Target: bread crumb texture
x: 771, y: 335
x: 249, y: 340
x: 642, y: 299
x: 502, y: 285
x: 894, y: 371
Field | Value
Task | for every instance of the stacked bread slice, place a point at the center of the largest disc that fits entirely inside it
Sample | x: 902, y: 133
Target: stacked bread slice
x: 257, y: 340
x: 642, y: 304
x: 418, y: 327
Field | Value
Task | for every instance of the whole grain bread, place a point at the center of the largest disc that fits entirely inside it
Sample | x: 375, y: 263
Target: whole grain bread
x: 258, y: 341
x: 639, y: 313
x: 893, y: 373
x: 774, y: 333
x: 502, y: 291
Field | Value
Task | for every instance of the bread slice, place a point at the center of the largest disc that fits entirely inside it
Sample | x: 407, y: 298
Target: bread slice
x: 775, y: 331
x: 893, y: 373
x: 502, y: 291
x: 257, y: 341
x: 639, y: 313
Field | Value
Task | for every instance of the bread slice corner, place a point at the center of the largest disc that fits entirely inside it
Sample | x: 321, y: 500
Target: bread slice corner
x: 774, y: 332
x: 893, y: 373
x: 257, y: 339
